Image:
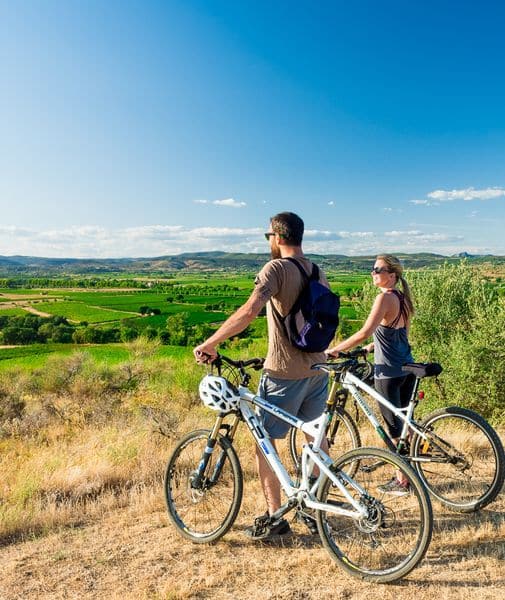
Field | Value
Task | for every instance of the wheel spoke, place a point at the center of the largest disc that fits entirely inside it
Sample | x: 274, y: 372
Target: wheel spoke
x: 392, y: 538
x: 206, y: 513
x: 475, y: 477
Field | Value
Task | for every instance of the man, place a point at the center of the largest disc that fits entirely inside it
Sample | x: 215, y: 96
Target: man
x: 287, y: 379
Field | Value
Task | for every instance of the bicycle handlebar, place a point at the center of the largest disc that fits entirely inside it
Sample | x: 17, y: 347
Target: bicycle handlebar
x: 351, y: 362
x: 254, y: 363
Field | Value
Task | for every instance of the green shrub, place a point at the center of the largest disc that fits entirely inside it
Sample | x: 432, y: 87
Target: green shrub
x: 460, y: 323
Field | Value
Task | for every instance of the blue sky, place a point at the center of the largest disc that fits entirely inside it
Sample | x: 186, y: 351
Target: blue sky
x: 150, y: 128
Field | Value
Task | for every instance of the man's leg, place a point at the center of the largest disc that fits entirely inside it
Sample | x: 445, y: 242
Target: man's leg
x: 324, y: 447
x: 269, y: 482
x: 264, y: 528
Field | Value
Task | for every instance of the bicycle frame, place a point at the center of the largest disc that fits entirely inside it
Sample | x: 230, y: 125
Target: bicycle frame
x: 311, y: 455
x: 352, y: 383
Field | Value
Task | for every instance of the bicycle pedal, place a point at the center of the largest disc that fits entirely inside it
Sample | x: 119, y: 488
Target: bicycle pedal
x: 308, y: 520
x: 373, y: 467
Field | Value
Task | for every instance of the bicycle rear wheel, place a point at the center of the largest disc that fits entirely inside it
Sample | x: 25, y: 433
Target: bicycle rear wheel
x: 203, y: 508
x: 463, y: 463
x: 342, y: 436
x: 392, y: 539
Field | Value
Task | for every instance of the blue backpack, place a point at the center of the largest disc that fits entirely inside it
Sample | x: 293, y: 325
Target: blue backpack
x: 312, y: 321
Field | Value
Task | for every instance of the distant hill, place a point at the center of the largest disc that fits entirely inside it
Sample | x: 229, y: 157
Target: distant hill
x: 206, y: 261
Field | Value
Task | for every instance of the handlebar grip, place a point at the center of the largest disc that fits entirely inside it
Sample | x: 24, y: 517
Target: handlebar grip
x: 258, y: 364
x: 255, y: 363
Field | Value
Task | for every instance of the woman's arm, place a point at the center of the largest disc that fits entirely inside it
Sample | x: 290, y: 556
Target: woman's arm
x: 379, y: 309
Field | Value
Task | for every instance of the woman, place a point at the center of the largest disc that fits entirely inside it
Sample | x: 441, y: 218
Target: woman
x: 388, y: 322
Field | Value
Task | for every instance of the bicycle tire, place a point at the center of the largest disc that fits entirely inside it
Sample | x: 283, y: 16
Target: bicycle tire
x: 475, y: 476
x: 394, y: 538
x: 206, y: 513
x: 346, y: 441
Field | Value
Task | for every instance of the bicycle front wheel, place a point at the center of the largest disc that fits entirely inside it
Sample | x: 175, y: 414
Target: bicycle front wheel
x: 387, y: 543
x: 462, y: 463
x: 203, y: 507
x: 343, y: 435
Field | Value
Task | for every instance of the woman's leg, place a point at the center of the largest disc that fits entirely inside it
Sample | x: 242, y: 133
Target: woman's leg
x: 390, y: 389
x: 398, y: 393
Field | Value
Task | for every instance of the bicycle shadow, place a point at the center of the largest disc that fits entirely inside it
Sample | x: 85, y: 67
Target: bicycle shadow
x: 457, y: 521
x: 289, y: 542
x: 484, y: 520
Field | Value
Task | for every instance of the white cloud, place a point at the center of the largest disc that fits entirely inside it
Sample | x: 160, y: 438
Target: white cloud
x: 401, y: 233
x: 159, y: 240
x: 230, y: 202
x: 227, y: 202
x: 415, y: 236
x: 424, y: 203
x: 356, y: 234
x: 467, y: 194
x: 318, y: 235
x: 331, y: 203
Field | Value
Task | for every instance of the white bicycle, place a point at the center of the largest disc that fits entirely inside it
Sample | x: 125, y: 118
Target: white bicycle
x: 369, y: 533
x: 455, y: 451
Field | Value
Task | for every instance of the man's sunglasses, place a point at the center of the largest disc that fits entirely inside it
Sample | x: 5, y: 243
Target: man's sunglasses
x: 380, y: 270
x: 269, y: 235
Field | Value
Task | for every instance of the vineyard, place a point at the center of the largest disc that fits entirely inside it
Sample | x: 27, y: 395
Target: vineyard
x: 178, y: 311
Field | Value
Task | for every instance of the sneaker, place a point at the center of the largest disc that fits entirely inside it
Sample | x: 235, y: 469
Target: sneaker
x: 394, y: 487
x: 308, y: 520
x: 264, y: 529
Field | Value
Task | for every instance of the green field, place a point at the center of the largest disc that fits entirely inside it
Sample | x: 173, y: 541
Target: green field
x: 36, y: 355
x: 12, y: 312
x: 204, y: 298
x: 194, y: 314
x: 79, y: 311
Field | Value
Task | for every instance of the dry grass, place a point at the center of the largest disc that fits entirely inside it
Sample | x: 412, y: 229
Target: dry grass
x: 94, y: 526
x: 133, y: 553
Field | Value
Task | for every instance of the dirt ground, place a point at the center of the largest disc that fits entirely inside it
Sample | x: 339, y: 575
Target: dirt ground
x: 134, y: 552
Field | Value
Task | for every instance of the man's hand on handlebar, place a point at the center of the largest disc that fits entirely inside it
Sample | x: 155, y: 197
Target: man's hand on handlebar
x: 205, y: 353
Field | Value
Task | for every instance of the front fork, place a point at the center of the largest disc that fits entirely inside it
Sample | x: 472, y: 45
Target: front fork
x: 199, y: 480
x: 337, y: 399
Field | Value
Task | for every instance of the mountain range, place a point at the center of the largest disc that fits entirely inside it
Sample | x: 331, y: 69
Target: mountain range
x: 208, y: 261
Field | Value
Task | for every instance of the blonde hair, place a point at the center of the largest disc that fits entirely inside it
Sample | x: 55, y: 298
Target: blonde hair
x: 396, y: 267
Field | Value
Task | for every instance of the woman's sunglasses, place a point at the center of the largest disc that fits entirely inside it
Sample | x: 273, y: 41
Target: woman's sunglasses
x: 380, y: 270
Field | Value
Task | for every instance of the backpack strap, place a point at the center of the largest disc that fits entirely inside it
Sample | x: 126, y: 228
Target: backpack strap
x: 314, y: 276
x: 306, y: 279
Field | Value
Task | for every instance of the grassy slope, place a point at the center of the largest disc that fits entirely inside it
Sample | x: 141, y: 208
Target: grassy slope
x: 122, y: 545
x: 82, y: 515
x: 36, y: 355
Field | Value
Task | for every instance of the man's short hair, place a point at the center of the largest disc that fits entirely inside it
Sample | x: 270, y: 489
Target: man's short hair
x: 289, y: 226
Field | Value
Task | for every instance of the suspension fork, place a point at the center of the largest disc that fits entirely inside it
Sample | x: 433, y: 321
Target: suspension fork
x: 215, y: 434
x: 230, y: 429
x: 337, y: 398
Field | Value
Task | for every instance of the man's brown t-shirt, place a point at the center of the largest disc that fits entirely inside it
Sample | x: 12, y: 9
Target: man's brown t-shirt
x: 281, y: 281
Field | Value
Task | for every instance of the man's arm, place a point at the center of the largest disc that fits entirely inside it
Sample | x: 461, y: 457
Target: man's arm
x: 236, y: 323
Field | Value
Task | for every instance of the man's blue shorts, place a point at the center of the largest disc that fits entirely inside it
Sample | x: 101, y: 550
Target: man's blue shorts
x: 303, y: 398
